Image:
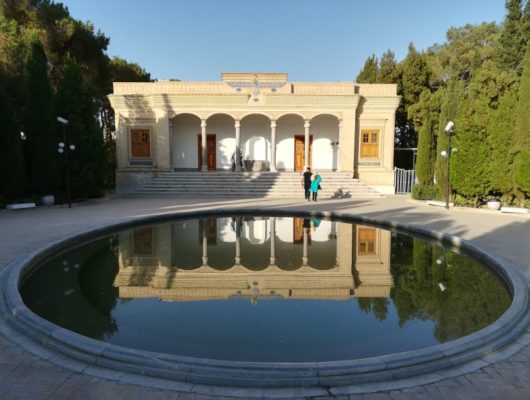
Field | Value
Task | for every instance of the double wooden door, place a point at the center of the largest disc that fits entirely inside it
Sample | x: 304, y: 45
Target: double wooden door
x: 299, y: 152
x: 210, y: 151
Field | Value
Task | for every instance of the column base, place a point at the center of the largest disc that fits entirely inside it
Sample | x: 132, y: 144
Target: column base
x: 204, y: 168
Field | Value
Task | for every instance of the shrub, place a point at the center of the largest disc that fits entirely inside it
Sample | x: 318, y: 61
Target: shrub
x: 426, y: 192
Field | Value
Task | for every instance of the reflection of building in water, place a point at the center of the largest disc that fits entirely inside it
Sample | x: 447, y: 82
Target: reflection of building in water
x: 254, y: 258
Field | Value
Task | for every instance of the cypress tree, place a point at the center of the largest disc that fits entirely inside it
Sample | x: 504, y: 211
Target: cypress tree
x: 12, y: 171
x: 449, y: 110
x: 40, y: 123
x: 369, y: 72
x: 522, y: 131
x: 512, y: 41
x: 469, y: 166
x: 388, y: 69
x: 501, y: 141
x: 87, y: 161
x: 426, y: 154
x: 415, y: 76
x: 425, y: 116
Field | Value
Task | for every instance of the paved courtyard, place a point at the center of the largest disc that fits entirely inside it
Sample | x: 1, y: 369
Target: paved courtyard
x: 26, y: 376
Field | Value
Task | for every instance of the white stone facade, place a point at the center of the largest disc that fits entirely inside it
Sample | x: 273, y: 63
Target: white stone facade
x: 171, y: 125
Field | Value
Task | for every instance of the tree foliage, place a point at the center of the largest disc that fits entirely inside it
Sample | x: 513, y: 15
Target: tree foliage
x: 38, y: 39
x: 40, y: 125
x: 370, y: 71
x: 87, y: 161
x: 522, y: 131
x: 12, y: 170
x: 477, y: 78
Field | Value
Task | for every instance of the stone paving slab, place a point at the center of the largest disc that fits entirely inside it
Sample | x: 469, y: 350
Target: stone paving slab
x: 26, y: 376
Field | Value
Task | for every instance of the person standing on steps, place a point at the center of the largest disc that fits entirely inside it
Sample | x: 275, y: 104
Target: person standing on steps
x: 315, y: 185
x: 306, y: 182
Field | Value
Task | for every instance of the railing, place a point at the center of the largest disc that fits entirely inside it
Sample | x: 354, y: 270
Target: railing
x: 404, y: 180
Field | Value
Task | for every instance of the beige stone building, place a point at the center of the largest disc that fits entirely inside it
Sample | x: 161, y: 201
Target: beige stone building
x: 272, y: 124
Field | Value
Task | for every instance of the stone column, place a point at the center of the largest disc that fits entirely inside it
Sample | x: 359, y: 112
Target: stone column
x: 273, y: 240
x: 307, y: 125
x: 273, y: 146
x: 339, y: 169
x: 237, y: 157
x: 204, y: 166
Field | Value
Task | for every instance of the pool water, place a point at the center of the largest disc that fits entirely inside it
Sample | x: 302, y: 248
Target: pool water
x: 276, y: 289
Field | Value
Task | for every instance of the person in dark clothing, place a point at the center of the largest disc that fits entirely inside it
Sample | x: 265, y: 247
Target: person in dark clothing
x: 306, y: 182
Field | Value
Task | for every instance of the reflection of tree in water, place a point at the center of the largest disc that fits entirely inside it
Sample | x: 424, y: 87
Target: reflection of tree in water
x: 75, y: 290
x: 375, y: 305
x: 96, y: 282
x: 472, y: 297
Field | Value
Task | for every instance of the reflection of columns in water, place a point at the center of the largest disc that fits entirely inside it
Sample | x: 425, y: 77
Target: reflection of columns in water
x: 334, y: 230
x: 273, y: 240
x: 238, y: 241
x: 306, y: 240
x: 204, y: 245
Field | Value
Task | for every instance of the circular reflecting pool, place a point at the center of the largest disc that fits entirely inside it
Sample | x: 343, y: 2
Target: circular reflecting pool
x: 265, y: 289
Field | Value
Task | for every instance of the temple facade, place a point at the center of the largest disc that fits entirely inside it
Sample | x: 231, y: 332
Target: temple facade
x: 256, y: 122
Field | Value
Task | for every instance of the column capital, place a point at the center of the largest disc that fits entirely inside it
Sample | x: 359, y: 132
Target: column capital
x: 237, y: 123
x: 307, y: 124
x: 203, y: 123
x: 273, y: 123
x: 340, y: 123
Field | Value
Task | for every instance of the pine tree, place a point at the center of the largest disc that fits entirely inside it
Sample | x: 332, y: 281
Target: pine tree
x: 522, y: 131
x: 388, y: 68
x: 369, y: 72
x: 12, y: 171
x: 87, y: 161
x: 415, y: 76
x: 40, y: 125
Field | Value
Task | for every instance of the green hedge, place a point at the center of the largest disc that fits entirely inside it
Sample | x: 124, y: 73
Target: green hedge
x: 426, y: 192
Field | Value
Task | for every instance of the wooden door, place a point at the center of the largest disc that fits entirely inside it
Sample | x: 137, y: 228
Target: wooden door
x: 299, y: 152
x: 140, y: 143
x: 370, y: 143
x: 211, y: 144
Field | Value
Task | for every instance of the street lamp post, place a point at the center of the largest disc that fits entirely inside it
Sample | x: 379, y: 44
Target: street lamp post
x: 449, y: 129
x: 64, y: 148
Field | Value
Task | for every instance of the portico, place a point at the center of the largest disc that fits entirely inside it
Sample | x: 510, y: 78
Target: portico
x: 255, y: 122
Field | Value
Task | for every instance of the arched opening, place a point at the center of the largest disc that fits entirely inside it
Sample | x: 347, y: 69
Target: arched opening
x: 289, y: 128
x: 184, y: 147
x: 221, y: 126
x: 255, y: 142
x: 325, y: 132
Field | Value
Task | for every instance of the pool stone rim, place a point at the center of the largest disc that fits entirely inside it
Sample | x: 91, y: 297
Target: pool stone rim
x: 314, y: 378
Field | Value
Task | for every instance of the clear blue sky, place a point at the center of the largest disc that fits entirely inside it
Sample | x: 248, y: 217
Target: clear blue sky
x: 311, y: 40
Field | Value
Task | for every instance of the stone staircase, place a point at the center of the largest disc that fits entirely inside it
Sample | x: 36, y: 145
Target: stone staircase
x: 335, y: 185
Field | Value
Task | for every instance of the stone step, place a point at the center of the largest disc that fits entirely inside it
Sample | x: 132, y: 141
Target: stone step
x: 251, y: 184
